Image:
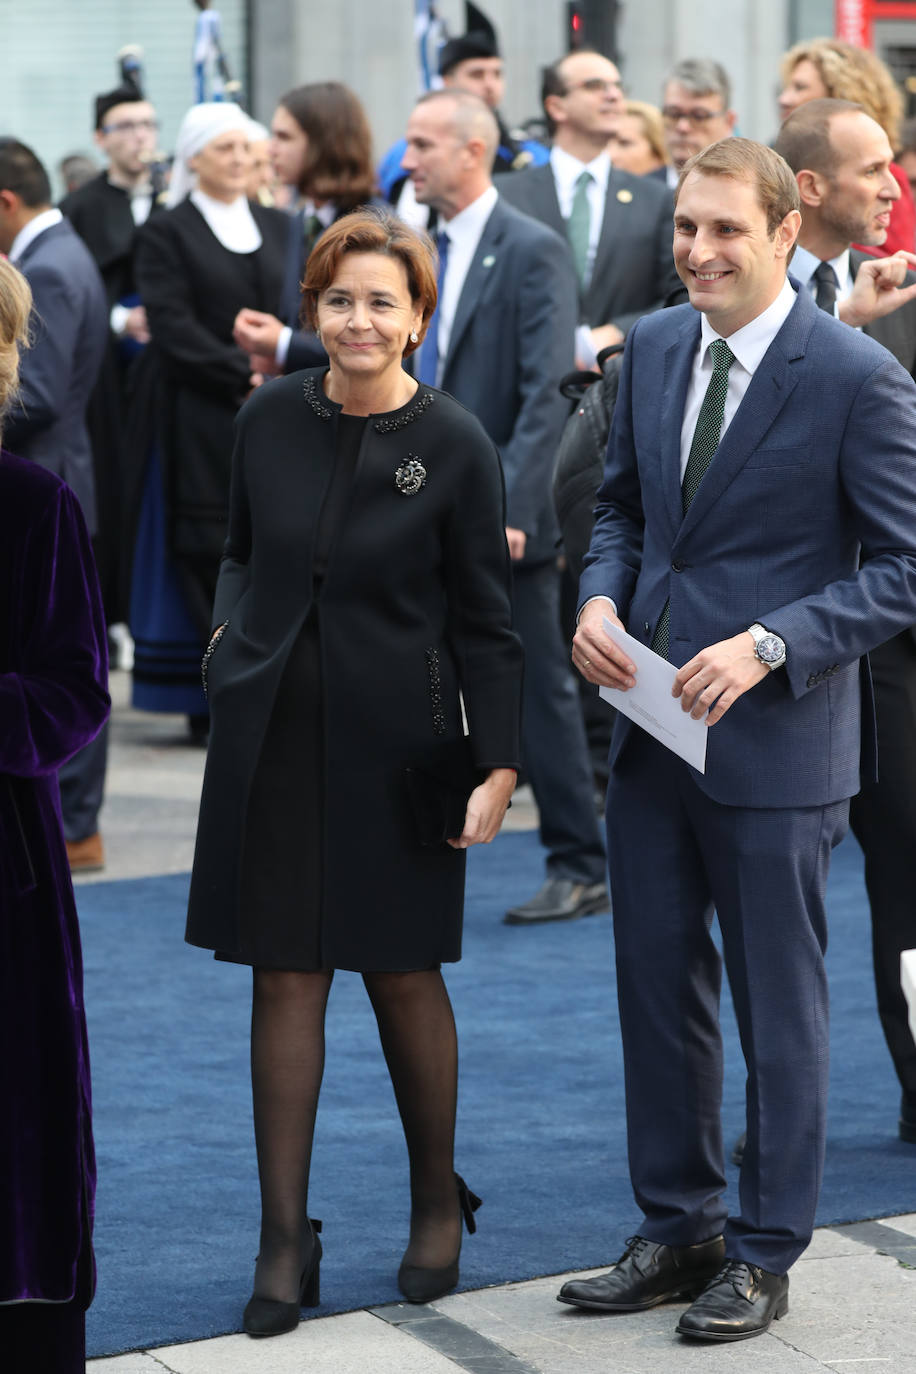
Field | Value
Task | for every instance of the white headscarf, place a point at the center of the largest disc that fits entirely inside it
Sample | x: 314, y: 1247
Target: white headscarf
x: 200, y: 126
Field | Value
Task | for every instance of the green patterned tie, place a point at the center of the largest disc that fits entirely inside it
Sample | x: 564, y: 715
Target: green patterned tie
x: 579, y: 225
x: 312, y: 229
x: 706, y: 438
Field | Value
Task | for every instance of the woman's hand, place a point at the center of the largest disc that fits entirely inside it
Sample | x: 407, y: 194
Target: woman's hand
x: 487, y: 805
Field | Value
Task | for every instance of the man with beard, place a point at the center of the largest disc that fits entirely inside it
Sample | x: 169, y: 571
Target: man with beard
x: 841, y: 160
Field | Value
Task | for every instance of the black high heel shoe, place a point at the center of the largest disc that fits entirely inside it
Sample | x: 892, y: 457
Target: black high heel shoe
x: 268, y: 1317
x: 425, y: 1285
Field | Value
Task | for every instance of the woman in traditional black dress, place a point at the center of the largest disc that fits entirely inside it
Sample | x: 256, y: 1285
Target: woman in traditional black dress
x: 196, y: 265
x: 364, y: 586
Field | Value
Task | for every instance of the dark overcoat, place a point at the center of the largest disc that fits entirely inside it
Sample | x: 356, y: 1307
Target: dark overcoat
x: 193, y: 288
x: 414, y: 607
x: 53, y: 700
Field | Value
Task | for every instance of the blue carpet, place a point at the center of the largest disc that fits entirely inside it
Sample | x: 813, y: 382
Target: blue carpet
x: 541, y: 1134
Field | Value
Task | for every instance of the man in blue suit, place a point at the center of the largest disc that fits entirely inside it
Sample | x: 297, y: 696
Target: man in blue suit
x: 757, y: 527
x: 501, y: 339
x: 69, y: 328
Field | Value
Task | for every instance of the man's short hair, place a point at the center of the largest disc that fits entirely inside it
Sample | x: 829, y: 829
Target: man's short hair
x: 21, y: 172
x: 744, y: 160
x: 122, y: 95
x: 804, y: 139
x: 473, y: 117
x: 702, y: 76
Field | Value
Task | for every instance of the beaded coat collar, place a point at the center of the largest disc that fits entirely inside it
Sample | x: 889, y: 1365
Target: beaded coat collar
x: 323, y: 408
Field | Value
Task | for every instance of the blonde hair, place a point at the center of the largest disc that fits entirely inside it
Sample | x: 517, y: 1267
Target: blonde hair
x: 850, y: 73
x: 650, y: 118
x: 15, y: 309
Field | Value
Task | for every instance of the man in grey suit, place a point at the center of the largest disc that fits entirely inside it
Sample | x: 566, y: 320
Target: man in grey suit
x: 841, y: 161
x: 617, y: 227
x: 501, y: 339
x: 69, y: 329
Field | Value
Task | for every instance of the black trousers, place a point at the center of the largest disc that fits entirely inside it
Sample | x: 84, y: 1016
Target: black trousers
x: 41, y: 1337
x: 883, y: 819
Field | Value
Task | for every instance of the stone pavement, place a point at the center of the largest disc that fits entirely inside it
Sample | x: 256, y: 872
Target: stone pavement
x: 853, y: 1293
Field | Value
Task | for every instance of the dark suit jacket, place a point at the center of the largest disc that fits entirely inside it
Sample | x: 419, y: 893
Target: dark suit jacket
x: 511, y: 341
x: 795, y: 493
x: 634, y: 267
x: 69, y: 334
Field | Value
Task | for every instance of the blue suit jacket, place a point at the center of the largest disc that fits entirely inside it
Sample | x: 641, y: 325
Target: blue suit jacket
x: 512, y: 339
x: 69, y: 327
x: 817, y: 466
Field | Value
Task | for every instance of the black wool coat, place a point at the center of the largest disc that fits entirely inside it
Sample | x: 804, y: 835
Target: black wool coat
x: 193, y: 288
x: 414, y: 607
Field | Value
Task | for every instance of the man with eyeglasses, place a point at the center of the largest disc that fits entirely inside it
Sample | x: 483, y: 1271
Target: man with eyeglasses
x: 696, y: 113
x: 617, y: 226
x: 105, y: 212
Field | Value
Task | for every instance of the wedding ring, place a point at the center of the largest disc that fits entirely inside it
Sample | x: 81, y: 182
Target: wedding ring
x: 586, y: 663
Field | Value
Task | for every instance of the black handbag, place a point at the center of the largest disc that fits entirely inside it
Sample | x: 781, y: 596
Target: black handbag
x: 438, y: 789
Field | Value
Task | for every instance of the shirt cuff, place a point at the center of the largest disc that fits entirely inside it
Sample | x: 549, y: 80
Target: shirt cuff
x: 118, y: 319
x: 282, y: 352
x: 585, y: 349
x: 608, y: 599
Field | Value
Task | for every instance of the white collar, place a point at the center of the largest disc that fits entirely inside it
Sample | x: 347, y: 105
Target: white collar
x: 468, y: 225
x: 29, y: 232
x: 567, y: 169
x: 751, y: 341
x: 805, y: 264
x: 230, y: 221
x: 326, y: 213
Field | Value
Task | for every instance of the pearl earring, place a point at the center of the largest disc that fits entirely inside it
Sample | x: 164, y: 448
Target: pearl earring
x: 414, y: 336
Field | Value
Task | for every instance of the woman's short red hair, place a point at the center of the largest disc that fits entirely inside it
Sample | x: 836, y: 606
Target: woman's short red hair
x: 373, y: 229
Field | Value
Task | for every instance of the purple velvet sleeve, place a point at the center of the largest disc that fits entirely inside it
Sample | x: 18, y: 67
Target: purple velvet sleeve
x: 53, y: 696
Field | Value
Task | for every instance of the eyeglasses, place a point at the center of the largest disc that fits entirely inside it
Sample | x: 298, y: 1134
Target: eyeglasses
x: 672, y: 114
x: 594, y: 85
x: 132, y: 126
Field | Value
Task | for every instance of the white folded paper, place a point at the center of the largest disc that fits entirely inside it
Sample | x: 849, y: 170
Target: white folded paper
x: 650, y: 704
x: 908, y: 982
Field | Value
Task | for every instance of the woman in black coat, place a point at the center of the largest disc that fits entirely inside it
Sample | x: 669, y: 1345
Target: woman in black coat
x: 196, y: 265
x: 363, y: 586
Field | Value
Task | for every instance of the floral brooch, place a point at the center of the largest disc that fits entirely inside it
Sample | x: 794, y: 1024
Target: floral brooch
x: 410, y: 476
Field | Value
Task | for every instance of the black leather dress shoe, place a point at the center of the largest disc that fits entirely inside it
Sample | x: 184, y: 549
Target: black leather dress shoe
x: 741, y: 1301
x: 907, y: 1122
x: 560, y: 899
x: 647, y: 1274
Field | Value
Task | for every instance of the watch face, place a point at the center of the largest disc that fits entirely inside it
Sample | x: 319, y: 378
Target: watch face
x: 770, y: 649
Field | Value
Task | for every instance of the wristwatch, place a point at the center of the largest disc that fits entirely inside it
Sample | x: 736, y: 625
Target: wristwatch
x: 769, y: 648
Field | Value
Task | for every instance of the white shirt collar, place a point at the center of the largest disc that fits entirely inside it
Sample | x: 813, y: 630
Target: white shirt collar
x: 567, y: 169
x: 30, y: 231
x: 467, y: 226
x: 805, y: 264
x: 231, y: 222
x: 326, y: 213
x: 749, y: 343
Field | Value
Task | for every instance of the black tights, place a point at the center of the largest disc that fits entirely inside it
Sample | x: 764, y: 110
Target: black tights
x: 417, y: 1031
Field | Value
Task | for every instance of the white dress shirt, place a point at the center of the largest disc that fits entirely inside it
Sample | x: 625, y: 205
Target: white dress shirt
x: 805, y: 264
x: 748, y: 345
x: 30, y: 231
x: 464, y: 232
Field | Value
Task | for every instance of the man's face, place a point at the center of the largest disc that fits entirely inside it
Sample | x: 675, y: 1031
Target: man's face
x: 435, y: 159
x: 483, y: 76
x: 693, y: 121
x: 128, y: 136
x: 861, y: 191
x: 594, y: 100
x: 723, y: 253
